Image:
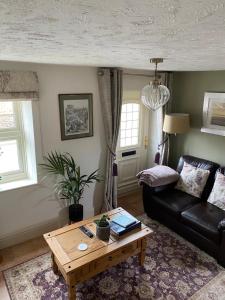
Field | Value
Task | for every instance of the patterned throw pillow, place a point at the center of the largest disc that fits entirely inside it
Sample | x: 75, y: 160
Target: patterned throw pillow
x: 217, y: 196
x: 192, y: 180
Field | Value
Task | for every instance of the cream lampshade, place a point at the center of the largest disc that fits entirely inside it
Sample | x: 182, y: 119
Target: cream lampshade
x: 176, y: 123
x: 173, y: 124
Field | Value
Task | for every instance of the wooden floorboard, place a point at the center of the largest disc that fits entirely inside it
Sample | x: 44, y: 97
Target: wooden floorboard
x: 20, y: 253
x: 132, y: 203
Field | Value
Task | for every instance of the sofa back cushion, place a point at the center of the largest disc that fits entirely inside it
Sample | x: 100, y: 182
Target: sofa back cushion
x: 203, y: 164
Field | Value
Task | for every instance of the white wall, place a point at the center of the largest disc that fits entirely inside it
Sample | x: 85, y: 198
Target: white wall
x: 29, y: 211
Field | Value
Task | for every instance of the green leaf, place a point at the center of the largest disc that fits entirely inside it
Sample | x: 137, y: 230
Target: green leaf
x: 71, y: 183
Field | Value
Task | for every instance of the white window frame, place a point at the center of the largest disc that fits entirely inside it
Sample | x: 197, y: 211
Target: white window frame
x: 139, y: 128
x: 16, y: 133
x: 23, y: 133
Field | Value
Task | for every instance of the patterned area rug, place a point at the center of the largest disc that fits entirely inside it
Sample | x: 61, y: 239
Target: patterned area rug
x: 173, y: 269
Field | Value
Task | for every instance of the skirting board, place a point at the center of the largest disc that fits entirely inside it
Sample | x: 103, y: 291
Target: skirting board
x: 28, y: 233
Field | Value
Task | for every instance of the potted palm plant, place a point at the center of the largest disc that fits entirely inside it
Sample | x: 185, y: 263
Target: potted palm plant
x: 70, y: 183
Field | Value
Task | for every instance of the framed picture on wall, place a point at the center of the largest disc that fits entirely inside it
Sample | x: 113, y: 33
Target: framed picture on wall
x: 76, y: 115
x: 214, y: 113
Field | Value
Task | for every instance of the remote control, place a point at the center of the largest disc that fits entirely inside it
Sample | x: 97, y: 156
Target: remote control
x: 86, y: 231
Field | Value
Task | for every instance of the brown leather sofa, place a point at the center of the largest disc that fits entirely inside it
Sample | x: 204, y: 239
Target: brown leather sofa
x: 198, y: 221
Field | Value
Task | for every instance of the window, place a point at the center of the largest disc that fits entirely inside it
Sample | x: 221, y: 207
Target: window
x: 129, y: 126
x: 17, y: 154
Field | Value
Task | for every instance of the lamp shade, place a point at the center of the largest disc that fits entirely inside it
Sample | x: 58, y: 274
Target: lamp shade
x: 176, y: 123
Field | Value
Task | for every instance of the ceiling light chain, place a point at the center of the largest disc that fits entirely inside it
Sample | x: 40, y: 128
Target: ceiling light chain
x: 156, y: 61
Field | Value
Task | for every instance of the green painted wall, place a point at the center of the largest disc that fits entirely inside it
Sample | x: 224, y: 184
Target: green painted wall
x: 188, y: 97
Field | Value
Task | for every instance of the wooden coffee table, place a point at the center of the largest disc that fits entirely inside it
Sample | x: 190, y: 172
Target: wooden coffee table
x: 77, y: 266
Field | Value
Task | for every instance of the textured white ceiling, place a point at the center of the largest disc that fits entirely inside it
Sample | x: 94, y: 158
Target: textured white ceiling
x: 189, y: 34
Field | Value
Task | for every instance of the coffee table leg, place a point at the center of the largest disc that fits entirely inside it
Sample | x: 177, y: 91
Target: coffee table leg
x: 142, y: 253
x: 54, y: 265
x: 71, y: 292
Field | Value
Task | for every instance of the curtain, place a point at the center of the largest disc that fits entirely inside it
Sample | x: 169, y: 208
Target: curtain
x: 110, y: 91
x: 164, y: 153
x: 19, y: 85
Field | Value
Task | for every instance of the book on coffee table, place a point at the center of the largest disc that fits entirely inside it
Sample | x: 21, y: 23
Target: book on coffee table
x: 123, y: 224
x: 124, y: 220
x: 119, y: 230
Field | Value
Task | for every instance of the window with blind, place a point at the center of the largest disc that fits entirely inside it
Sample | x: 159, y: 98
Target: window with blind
x: 17, y: 159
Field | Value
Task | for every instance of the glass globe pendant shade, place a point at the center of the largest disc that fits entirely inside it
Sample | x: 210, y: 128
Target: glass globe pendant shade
x: 155, y: 96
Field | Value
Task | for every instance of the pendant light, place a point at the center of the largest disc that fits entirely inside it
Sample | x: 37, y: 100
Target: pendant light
x: 154, y: 95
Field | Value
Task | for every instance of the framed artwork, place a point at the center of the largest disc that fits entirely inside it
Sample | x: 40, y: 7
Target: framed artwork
x: 214, y: 113
x: 76, y: 115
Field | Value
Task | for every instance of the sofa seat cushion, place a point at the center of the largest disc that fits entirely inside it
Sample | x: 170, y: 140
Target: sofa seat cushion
x: 173, y: 201
x: 204, y: 218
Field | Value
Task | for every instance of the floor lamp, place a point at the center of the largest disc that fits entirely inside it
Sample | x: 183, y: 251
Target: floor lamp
x: 175, y: 123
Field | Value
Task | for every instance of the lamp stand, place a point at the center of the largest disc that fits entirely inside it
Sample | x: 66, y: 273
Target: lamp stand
x: 159, y: 157
x: 166, y: 141
x: 168, y: 149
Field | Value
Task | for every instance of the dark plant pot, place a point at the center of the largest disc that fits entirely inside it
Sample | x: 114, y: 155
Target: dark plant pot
x: 103, y: 233
x: 76, y: 212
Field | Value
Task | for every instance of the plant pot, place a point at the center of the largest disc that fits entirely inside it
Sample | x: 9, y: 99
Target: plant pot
x: 103, y: 233
x: 76, y: 212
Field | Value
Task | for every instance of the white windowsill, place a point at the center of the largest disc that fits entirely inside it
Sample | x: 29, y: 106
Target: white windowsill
x: 17, y: 184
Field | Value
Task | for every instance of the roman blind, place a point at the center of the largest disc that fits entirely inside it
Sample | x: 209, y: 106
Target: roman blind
x: 19, y: 85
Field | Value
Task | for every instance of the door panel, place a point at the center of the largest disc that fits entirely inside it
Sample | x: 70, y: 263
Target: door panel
x: 132, y: 150
x: 128, y: 169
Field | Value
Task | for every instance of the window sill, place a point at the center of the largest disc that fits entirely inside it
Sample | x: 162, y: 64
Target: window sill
x: 17, y: 185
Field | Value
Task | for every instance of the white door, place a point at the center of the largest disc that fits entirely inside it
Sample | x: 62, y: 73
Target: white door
x: 132, y: 144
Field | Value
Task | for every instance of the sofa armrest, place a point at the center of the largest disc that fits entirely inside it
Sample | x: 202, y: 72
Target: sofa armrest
x: 149, y: 192
x: 157, y: 189
x: 221, y: 225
